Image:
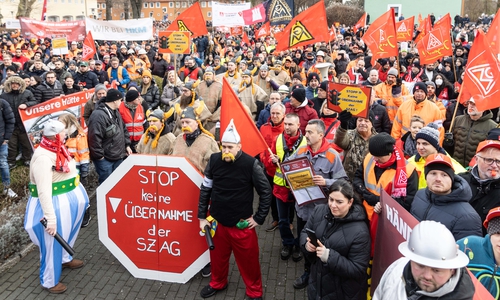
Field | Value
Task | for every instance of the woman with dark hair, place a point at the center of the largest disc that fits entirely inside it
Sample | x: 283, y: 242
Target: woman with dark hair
x: 444, y: 89
x: 34, y: 82
x: 340, y: 259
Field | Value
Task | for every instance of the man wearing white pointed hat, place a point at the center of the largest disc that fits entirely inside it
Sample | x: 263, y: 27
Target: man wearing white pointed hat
x: 230, y: 178
x: 433, y: 268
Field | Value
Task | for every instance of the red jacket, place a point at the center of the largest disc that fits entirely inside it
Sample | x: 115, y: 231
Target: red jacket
x: 269, y: 133
x: 135, y: 126
x: 305, y: 113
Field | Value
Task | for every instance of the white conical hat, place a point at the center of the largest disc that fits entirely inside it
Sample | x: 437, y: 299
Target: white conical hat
x: 52, y: 127
x: 231, y: 134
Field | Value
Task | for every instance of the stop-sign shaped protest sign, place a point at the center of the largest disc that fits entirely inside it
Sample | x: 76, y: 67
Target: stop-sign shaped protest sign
x: 147, y: 211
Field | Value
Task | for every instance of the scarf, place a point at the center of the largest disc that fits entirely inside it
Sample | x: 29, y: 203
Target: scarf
x: 324, y: 146
x: 397, y: 188
x: 190, y: 137
x: 62, y: 154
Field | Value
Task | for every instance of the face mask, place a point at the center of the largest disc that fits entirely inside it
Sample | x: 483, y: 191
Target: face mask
x: 439, y: 81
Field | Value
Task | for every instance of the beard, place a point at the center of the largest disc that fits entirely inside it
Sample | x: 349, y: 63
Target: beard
x: 185, y: 101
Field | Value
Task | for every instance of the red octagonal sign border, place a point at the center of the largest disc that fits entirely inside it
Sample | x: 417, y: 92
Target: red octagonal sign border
x: 147, y: 216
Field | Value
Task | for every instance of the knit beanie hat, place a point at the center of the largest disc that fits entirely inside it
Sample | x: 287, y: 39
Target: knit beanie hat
x: 113, y: 95
x: 312, y: 76
x: 420, y: 86
x: 430, y: 133
x: 99, y: 87
x: 146, y: 73
x: 494, y: 134
x: 430, y: 83
x: 297, y: 75
x: 131, y: 95
x: 393, y: 72
x: 299, y: 94
x: 381, y: 144
x: 324, y: 85
x: 439, y: 162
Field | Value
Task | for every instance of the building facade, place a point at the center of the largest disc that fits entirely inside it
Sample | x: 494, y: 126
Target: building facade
x: 409, y: 8
x: 57, y: 10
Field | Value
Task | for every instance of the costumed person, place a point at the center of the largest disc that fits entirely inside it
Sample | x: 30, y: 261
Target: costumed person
x: 189, y: 98
x: 157, y: 139
x: 230, y: 179
x: 211, y: 93
x: 252, y: 95
x: 78, y: 147
x: 57, y: 196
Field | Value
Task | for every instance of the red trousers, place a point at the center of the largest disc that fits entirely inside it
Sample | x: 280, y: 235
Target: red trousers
x: 244, y: 244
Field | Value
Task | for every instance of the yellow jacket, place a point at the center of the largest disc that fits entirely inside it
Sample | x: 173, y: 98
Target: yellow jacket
x: 419, y: 165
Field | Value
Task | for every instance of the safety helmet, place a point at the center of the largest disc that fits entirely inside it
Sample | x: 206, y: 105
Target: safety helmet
x: 432, y: 244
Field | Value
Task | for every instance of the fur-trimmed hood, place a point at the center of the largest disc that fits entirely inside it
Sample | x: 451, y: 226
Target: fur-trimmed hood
x: 7, y: 86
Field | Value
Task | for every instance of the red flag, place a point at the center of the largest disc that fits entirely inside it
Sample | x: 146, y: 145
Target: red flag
x: 252, y: 142
x: 254, y: 15
x: 404, y: 29
x: 381, y: 36
x: 423, y: 28
x: 444, y: 22
x: 44, y: 10
x: 264, y: 30
x: 492, y: 35
x: 190, y: 20
x: 308, y: 27
x: 433, y: 46
x: 360, y: 24
x: 480, y: 78
x: 333, y: 33
x: 244, y: 38
x: 88, y: 47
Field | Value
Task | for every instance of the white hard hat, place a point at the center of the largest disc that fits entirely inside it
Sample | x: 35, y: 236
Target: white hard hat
x: 142, y: 51
x: 320, y: 53
x: 130, y: 51
x: 431, y: 244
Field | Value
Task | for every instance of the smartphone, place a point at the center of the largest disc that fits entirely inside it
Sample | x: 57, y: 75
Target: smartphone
x: 312, y: 236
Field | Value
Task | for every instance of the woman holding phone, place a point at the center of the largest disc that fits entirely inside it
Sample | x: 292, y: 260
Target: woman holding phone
x: 340, y: 261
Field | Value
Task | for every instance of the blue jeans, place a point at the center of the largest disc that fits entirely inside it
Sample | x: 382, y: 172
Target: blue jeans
x: 285, y: 211
x: 4, y: 166
x: 105, y: 167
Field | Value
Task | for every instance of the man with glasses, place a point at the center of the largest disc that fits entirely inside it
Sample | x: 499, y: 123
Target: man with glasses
x: 469, y: 130
x: 48, y: 89
x: 119, y: 74
x: 85, y: 78
x: 484, y: 178
x: 109, y: 140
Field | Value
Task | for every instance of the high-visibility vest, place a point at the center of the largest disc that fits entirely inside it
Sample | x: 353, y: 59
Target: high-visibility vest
x: 371, y: 184
x: 119, y: 73
x: 134, y: 125
x: 279, y: 179
x: 79, y: 149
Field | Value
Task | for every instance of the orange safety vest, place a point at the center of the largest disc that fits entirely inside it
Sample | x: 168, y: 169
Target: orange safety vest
x: 387, y: 177
x: 79, y: 148
x: 119, y: 73
x: 134, y: 125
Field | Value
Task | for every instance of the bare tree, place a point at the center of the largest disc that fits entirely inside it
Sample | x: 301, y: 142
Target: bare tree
x: 24, y: 8
x: 109, y: 8
x: 136, y: 8
x: 344, y: 14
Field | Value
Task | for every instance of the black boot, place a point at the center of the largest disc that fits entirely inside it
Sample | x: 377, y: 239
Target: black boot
x: 86, y: 218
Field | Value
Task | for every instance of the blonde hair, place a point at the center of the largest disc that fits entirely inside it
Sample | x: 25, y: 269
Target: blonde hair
x: 417, y: 118
x: 68, y: 120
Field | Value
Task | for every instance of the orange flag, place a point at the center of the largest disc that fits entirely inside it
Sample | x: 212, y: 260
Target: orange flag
x: 190, y: 20
x: 360, y: 24
x: 308, y: 27
x: 404, y: 29
x: 480, y: 78
x: 433, y: 46
x: 252, y: 142
x: 333, y: 33
x: 244, y: 38
x: 423, y: 28
x: 264, y: 30
x: 492, y: 34
x: 381, y: 36
x: 444, y: 22
x: 88, y: 47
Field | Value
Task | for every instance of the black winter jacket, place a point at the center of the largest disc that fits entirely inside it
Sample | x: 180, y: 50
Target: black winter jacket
x: 86, y: 80
x: 7, y: 121
x: 152, y: 96
x: 343, y: 276
x: 45, y: 92
x: 452, y: 210
x: 108, y: 136
x: 102, y: 76
x: 16, y: 98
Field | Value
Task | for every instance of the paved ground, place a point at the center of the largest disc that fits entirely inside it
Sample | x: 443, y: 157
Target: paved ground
x: 103, y: 277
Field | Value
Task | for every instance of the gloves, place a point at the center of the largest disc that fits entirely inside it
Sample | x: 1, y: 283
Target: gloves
x: 370, y: 198
x: 344, y: 118
x: 324, y: 255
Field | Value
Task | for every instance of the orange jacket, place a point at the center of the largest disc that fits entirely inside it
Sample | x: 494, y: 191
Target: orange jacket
x: 384, y: 91
x: 426, y: 109
x: 79, y: 148
x: 134, y: 125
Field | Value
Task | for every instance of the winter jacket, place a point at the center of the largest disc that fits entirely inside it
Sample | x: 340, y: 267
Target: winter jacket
x: 16, y: 98
x: 468, y: 134
x: 304, y: 111
x: 420, y: 164
x: 343, y: 275
x: 355, y: 148
x: 426, y: 109
x: 159, y: 67
x: 452, y: 210
x: 74, y: 89
x: 102, y: 76
x: 152, y: 96
x: 7, y: 121
x: 397, y: 279
x: 107, y: 134
x: 61, y: 75
x: 269, y: 132
x: 381, y: 123
x: 384, y: 91
x: 170, y: 93
x: 45, y: 92
x: 86, y: 80
x: 482, y: 262
x: 485, y: 193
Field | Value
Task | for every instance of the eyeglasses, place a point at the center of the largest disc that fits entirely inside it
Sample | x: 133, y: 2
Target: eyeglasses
x: 490, y: 161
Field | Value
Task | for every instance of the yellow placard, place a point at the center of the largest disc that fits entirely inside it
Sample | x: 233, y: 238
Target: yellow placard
x: 353, y: 98
x: 58, y: 43
x: 300, y: 180
x: 178, y: 42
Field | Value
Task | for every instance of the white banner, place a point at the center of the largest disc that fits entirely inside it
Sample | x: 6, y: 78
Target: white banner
x: 12, y: 24
x: 123, y: 30
x: 228, y: 14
